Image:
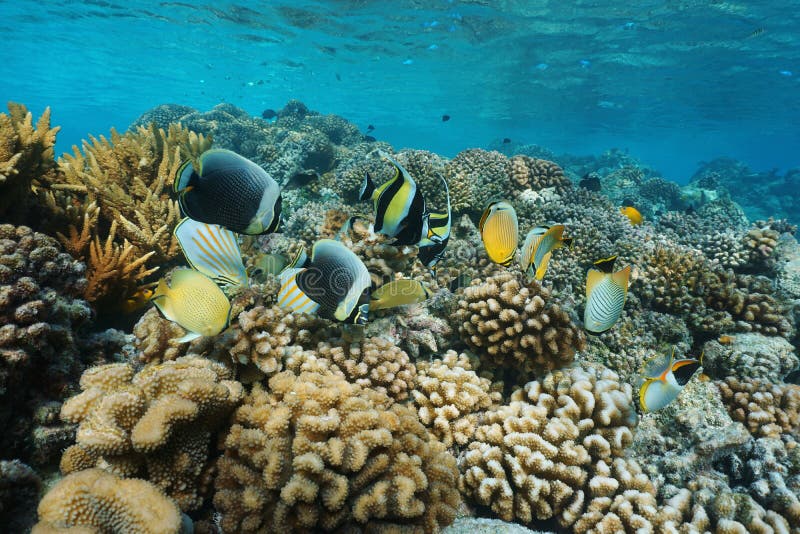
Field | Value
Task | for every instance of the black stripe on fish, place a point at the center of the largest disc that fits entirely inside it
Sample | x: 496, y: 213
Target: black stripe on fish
x: 684, y: 373
x: 367, y: 188
x: 276, y: 216
x: 412, y: 223
x: 605, y: 265
x: 385, y: 199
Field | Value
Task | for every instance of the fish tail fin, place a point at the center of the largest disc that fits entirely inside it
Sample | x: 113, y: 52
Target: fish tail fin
x: 367, y: 188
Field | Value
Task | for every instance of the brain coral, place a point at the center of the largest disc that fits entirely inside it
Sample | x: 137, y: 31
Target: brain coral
x: 450, y: 397
x: 316, y: 453
x: 158, y: 422
x: 94, y: 500
x: 540, y: 456
x: 516, y: 324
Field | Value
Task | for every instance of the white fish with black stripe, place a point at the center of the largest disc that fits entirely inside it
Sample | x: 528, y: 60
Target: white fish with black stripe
x: 606, y: 291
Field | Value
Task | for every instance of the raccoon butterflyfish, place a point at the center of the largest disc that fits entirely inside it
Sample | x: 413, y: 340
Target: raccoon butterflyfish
x: 605, y: 295
x: 399, y: 293
x: 334, y: 283
x: 193, y: 301
x: 632, y: 214
x: 500, y: 232
x: 212, y: 250
x: 231, y: 191
x: 663, y: 379
x: 538, y: 247
x: 431, y: 247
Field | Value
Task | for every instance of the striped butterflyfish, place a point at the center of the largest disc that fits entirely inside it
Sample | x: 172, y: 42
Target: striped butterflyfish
x: 431, y: 247
x: 605, y: 295
x: 212, y: 250
x: 399, y: 293
x: 195, y: 302
x: 399, y: 205
x: 333, y: 282
x: 539, y: 245
x: 231, y: 191
x: 500, y: 232
x: 663, y: 379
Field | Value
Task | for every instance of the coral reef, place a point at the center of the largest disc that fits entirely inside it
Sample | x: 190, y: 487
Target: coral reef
x: 513, y: 324
x: 158, y: 422
x: 767, y: 409
x: 94, y: 500
x: 19, y: 490
x: 314, y: 452
x: 750, y: 356
x: 476, y: 176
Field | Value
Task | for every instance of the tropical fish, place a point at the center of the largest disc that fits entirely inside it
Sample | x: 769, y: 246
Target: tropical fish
x: 137, y: 301
x: 269, y: 114
x: 431, y: 248
x: 605, y: 295
x: 231, y: 191
x: 500, y: 231
x: 506, y: 140
x: 539, y: 245
x: 632, y: 214
x: 212, y: 250
x: 399, y: 206
x: 334, y: 283
x: 399, y: 293
x: 445, y: 118
x: 269, y: 264
x: 663, y: 379
x: 590, y: 182
x: 462, y: 280
x: 193, y: 301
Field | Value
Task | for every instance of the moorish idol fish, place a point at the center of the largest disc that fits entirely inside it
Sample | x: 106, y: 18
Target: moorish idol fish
x: 212, y: 250
x: 333, y: 282
x: 632, y: 214
x: 399, y: 293
x: 663, y: 379
x: 399, y: 206
x: 431, y: 248
x: 605, y: 295
x: 500, y: 232
x: 538, y: 248
x: 231, y: 191
x: 193, y: 301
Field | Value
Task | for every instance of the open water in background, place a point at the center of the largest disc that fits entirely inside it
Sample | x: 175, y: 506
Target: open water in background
x: 675, y: 82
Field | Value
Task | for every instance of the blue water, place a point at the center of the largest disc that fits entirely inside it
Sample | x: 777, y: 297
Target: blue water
x: 674, y: 82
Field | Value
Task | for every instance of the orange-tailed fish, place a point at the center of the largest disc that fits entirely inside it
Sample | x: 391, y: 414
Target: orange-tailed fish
x: 605, y: 295
x: 431, y: 247
x: 229, y: 190
x: 137, y: 301
x: 399, y: 205
x: 500, y: 232
x: 399, y: 293
x: 193, y: 301
x: 663, y: 379
x: 632, y: 214
x: 539, y: 245
x: 212, y: 250
x: 334, y: 283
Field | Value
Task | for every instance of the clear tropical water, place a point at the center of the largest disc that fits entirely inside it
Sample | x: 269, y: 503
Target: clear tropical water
x: 675, y: 82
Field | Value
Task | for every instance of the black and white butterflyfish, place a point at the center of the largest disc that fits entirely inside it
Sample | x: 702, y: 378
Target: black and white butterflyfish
x: 399, y: 205
x: 431, y: 247
x: 333, y: 283
x: 227, y: 189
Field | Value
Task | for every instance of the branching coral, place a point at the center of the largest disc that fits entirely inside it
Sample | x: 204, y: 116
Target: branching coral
x: 765, y: 408
x: 517, y: 325
x: 158, y: 422
x: 94, y: 500
x: 450, y: 397
x: 538, y: 456
x: 26, y: 158
x: 314, y: 452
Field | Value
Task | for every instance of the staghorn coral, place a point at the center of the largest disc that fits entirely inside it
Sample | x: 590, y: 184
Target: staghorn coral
x: 450, y: 397
x: 314, y: 452
x: 158, y: 422
x: 765, y: 408
x: 536, y: 457
x: 26, y: 159
x: 750, y: 356
x: 40, y: 316
x: 514, y: 324
x: 94, y: 500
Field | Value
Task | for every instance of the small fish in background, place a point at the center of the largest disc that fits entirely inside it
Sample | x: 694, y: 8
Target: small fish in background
x: 369, y: 139
x: 399, y: 206
x: 499, y: 230
x: 786, y: 73
x: 408, y: 62
x: 606, y: 291
x: 756, y: 33
x: 538, y: 247
x: 725, y: 339
x: 433, y: 47
x: 193, y: 301
x: 229, y: 190
x: 585, y: 63
x: 212, y: 250
x: 591, y: 182
x: 266, y: 264
x: 542, y: 66
x: 432, y: 247
x: 370, y: 128
x: 506, y: 140
x: 300, y: 179
x: 137, y: 301
x: 399, y: 293
x: 663, y: 379
x: 445, y: 118
x: 338, y: 77
x: 333, y: 282
x: 269, y: 114
x: 462, y: 280
x: 632, y: 214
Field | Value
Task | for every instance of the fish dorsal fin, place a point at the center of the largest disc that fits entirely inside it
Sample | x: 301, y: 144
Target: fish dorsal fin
x: 605, y: 265
x: 656, y: 366
x: 621, y: 278
x: 212, y: 250
x: 367, y: 188
x: 299, y: 261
